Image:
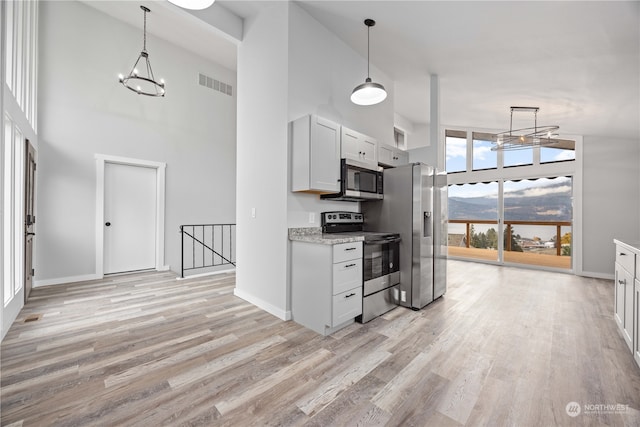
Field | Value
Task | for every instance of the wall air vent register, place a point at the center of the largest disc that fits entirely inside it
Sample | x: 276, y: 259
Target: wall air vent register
x: 211, y: 83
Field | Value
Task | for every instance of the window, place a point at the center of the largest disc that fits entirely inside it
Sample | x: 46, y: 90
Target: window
x: 538, y: 215
x: 459, y: 146
x: 12, y: 208
x: 21, y: 26
x: 561, y: 152
x: 456, y: 151
x: 511, y: 206
x: 399, y: 138
x: 473, y: 220
x: 517, y: 157
x: 483, y: 157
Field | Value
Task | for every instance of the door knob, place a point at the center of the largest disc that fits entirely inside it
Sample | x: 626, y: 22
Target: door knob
x: 107, y: 224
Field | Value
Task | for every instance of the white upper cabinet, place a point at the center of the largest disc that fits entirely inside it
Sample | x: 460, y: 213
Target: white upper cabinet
x: 315, y: 155
x: 360, y: 147
x: 389, y: 156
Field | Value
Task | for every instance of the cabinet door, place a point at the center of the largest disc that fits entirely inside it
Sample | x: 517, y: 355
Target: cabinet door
x: 619, y: 297
x: 628, y: 309
x: 358, y: 146
x: 350, y: 146
x: 385, y: 156
x: 392, y: 156
x: 401, y: 158
x: 325, y: 155
x: 369, y: 150
x: 624, y: 304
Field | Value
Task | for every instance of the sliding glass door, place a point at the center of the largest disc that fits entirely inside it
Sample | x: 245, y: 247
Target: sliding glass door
x: 537, y: 222
x: 524, y: 221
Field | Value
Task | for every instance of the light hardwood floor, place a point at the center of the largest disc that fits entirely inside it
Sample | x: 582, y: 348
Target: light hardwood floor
x: 504, y: 346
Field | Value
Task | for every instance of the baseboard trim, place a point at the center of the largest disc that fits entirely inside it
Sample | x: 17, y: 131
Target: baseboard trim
x: 268, y: 307
x: 597, y: 275
x: 211, y: 273
x: 64, y: 280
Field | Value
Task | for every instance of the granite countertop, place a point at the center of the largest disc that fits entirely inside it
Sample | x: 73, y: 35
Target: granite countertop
x: 315, y: 235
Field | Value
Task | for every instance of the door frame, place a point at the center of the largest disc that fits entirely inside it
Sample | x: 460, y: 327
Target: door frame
x: 29, y: 191
x: 101, y: 160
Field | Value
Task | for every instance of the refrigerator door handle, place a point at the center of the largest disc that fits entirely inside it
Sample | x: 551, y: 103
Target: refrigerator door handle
x: 426, y: 226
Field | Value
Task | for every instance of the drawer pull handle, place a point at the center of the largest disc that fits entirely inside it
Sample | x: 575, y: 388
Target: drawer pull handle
x: 349, y: 265
x: 350, y: 295
x: 622, y: 254
x: 622, y: 282
x: 350, y: 249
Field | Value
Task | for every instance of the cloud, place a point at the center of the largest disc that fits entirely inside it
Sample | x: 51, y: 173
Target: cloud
x: 456, y: 148
x: 539, y: 191
x: 480, y: 152
x: 565, y: 155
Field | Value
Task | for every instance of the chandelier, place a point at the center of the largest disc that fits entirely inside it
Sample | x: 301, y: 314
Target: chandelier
x: 518, y: 139
x: 141, y: 80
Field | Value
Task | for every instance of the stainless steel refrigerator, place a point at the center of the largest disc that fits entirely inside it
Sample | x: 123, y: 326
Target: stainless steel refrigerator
x: 415, y: 206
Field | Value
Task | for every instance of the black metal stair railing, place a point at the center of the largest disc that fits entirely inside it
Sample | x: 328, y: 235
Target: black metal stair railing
x: 207, y: 245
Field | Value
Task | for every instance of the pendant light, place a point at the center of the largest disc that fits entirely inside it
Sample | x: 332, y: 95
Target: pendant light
x: 192, y: 4
x: 368, y: 93
x: 142, y: 81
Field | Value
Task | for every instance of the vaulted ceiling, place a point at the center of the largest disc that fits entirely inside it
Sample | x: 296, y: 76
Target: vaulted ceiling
x: 579, y: 61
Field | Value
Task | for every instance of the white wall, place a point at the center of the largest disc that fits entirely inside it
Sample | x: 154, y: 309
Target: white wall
x: 261, y: 275
x: 83, y: 110
x: 419, y: 137
x: 288, y: 66
x: 323, y: 71
x: 611, y: 200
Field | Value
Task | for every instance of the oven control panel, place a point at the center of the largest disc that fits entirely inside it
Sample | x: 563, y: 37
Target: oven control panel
x: 341, y: 218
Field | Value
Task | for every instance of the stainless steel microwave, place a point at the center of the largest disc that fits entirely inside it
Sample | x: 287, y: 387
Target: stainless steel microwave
x: 358, y: 182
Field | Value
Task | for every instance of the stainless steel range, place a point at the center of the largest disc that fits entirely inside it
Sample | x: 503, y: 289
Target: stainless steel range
x: 381, y: 259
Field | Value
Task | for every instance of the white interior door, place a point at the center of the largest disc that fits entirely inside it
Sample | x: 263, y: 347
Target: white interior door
x: 130, y: 218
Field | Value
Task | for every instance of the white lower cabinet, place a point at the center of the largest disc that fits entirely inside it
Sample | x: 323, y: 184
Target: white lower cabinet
x: 326, y: 285
x: 627, y: 295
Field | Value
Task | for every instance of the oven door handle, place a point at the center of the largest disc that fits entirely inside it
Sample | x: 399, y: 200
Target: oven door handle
x: 383, y: 241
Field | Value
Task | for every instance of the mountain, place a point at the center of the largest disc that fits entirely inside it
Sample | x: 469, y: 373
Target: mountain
x: 536, y: 203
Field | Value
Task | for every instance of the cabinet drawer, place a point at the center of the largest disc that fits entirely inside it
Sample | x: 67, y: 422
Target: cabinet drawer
x: 346, y: 306
x: 347, y: 251
x: 626, y: 259
x: 347, y: 275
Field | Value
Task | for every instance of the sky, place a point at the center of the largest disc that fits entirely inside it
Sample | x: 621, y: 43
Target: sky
x: 485, y: 158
